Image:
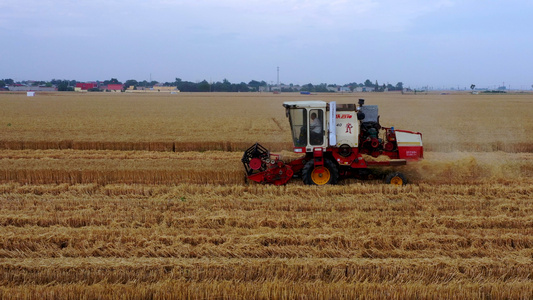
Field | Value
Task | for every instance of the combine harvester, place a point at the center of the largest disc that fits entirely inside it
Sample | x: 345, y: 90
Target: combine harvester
x: 336, y: 141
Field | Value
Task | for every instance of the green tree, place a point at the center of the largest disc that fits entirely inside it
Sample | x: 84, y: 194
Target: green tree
x: 204, y: 86
x: 242, y: 87
x: 399, y: 86
x: 227, y: 84
x: 64, y: 86
x: 308, y: 87
x: 112, y: 81
x: 351, y: 85
x: 38, y: 83
x: 131, y: 82
x: 321, y: 88
x: 224, y: 86
x: 254, y: 84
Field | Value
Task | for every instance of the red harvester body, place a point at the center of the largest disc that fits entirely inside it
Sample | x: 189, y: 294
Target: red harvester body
x: 334, y: 141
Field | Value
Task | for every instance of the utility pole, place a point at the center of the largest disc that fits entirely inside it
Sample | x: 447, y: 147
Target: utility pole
x: 279, y: 87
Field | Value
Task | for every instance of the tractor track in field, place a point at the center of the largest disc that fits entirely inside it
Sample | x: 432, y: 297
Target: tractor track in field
x: 277, y: 124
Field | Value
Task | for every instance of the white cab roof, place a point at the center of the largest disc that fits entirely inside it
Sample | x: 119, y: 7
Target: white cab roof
x: 305, y: 104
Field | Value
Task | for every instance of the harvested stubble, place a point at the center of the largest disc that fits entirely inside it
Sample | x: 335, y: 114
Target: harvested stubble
x: 255, y: 241
x: 183, y: 289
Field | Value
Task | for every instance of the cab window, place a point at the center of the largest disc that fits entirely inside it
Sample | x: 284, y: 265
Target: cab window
x: 316, y: 127
x: 298, y: 120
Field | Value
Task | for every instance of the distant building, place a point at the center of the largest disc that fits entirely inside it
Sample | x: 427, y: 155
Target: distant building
x: 344, y: 89
x: 161, y: 88
x: 286, y: 87
x: 364, y: 89
x: 27, y: 88
x: 154, y: 89
x: 114, y: 87
x: 85, y: 86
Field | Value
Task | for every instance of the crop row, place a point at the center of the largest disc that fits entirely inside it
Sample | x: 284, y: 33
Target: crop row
x: 213, y: 145
x: 292, y: 222
x: 223, y: 289
x: 150, y: 270
x: 265, y: 242
x: 215, y: 167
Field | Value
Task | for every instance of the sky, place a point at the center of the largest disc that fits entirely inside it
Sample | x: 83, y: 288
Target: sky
x: 438, y: 43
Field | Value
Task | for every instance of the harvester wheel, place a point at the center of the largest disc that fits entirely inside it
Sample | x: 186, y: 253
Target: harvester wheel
x: 320, y: 175
x: 396, y: 178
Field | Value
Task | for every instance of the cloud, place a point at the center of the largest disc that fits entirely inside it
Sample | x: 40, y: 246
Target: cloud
x: 311, y: 40
x: 298, y: 15
x: 249, y: 18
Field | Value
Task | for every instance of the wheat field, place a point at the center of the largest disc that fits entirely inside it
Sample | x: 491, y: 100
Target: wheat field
x: 143, y: 197
x: 233, y: 121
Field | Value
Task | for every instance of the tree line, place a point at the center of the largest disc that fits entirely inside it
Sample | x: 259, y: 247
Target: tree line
x: 218, y: 86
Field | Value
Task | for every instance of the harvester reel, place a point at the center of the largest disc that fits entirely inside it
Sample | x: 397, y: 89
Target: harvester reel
x: 255, y: 159
x: 255, y: 163
x: 260, y: 167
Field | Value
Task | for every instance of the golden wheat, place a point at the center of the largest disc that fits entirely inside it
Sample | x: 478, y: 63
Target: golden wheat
x: 85, y: 214
x: 234, y: 121
x: 265, y: 241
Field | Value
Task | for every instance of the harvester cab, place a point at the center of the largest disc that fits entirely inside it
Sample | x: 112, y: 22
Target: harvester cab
x: 308, y: 124
x: 336, y: 141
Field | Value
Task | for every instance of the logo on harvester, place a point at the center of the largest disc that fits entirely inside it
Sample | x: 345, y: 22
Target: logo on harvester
x: 344, y: 116
x: 349, y: 127
x: 411, y: 153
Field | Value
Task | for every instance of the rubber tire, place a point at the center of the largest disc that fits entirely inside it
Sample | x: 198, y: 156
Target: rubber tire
x: 310, y: 166
x: 389, y: 178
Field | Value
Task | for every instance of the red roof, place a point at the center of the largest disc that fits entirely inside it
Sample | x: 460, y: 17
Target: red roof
x: 85, y: 86
x: 114, y: 87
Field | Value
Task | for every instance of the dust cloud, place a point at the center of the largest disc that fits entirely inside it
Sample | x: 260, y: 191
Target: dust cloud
x: 472, y: 167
